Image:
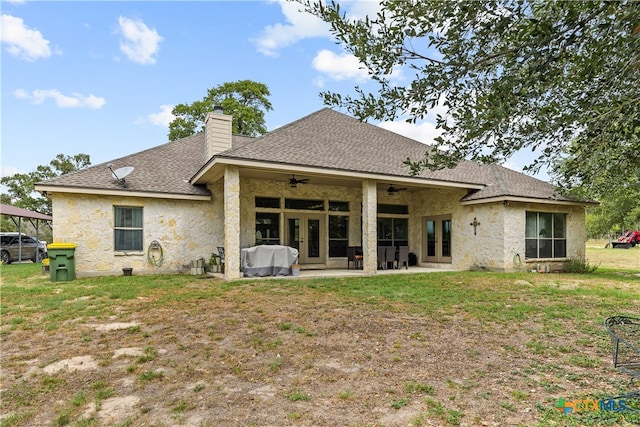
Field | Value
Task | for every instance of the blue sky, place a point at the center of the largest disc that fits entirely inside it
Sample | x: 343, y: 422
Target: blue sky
x: 101, y: 77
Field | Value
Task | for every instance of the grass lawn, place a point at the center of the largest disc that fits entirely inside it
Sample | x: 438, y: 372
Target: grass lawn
x: 464, y: 348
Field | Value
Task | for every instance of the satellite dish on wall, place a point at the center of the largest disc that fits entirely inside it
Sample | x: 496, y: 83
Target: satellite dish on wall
x: 121, y: 173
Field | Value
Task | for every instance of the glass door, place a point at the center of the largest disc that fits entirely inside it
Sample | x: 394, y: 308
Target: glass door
x: 437, y: 238
x: 305, y: 233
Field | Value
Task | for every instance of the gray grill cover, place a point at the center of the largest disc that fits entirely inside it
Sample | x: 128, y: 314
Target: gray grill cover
x: 268, y: 260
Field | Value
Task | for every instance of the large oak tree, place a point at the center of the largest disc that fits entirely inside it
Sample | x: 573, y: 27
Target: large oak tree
x: 559, y: 78
x: 245, y: 100
x: 19, y: 189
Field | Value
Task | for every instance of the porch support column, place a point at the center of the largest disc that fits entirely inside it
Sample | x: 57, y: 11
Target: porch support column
x: 232, y: 223
x: 369, y: 227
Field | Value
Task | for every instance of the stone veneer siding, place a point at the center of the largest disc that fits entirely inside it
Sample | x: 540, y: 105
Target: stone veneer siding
x: 232, y: 222
x: 184, y: 229
x: 188, y: 230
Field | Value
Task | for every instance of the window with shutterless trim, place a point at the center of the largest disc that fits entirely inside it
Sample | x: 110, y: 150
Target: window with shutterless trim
x: 127, y: 228
x: 545, y: 235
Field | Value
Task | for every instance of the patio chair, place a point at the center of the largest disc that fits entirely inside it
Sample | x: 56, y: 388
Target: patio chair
x: 221, y: 256
x: 390, y: 257
x: 625, y: 339
x: 403, y: 257
x: 354, y: 257
x: 382, y: 260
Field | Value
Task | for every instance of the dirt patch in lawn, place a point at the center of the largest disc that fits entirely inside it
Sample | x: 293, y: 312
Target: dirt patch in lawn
x: 273, y: 358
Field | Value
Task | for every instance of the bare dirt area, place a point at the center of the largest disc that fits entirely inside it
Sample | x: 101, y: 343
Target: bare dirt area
x: 276, y: 358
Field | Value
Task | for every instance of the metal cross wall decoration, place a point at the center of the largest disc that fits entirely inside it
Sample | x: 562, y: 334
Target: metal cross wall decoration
x: 475, y: 224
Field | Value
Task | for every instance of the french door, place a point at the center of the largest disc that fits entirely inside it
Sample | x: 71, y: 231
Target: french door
x: 437, y: 238
x: 305, y: 233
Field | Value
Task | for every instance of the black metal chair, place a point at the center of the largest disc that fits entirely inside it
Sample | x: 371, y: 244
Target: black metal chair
x: 625, y: 338
x: 382, y: 257
x: 403, y: 257
x: 221, y: 256
x: 354, y: 257
x: 390, y: 257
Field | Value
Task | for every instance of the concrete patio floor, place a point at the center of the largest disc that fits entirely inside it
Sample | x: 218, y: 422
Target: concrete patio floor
x: 340, y: 272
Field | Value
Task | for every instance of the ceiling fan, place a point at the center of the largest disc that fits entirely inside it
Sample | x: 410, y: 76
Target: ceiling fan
x: 293, y: 182
x: 392, y: 190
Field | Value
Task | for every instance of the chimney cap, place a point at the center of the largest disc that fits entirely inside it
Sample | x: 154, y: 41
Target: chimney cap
x: 218, y: 109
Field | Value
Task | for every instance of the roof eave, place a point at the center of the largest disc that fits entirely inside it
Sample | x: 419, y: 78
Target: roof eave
x: 502, y: 199
x: 214, y: 170
x: 119, y: 193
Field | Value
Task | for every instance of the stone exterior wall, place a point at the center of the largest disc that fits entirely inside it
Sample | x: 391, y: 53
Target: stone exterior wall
x: 250, y: 188
x: 499, y: 242
x: 188, y: 230
x: 437, y: 202
x: 515, y: 230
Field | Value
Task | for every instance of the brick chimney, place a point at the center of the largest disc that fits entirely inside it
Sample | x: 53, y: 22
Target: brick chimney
x: 217, y: 132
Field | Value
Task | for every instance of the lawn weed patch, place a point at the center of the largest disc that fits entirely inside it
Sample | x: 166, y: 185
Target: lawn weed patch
x: 444, y: 348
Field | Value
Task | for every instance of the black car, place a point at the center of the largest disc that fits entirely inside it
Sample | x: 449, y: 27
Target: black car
x: 15, y: 246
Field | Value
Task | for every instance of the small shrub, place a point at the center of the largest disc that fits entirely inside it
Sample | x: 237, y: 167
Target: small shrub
x: 346, y: 395
x: 63, y: 419
x: 416, y: 387
x: 285, y: 326
x: 181, y: 406
x: 276, y: 364
x: 584, y: 361
x: 79, y: 399
x: 579, y: 265
x: 297, y: 395
x: 149, y: 354
x: 399, y: 403
x: 151, y: 375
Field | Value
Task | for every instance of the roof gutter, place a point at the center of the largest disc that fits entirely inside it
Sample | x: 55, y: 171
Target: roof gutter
x: 46, y: 189
x: 507, y: 199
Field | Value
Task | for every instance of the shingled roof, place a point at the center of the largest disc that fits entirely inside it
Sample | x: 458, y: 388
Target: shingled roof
x: 331, y: 140
x: 325, y: 139
x: 165, y: 169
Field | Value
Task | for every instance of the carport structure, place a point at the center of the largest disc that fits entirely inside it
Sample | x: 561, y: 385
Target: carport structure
x: 17, y: 214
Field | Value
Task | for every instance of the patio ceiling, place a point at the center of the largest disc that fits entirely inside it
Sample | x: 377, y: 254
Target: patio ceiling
x: 318, y: 176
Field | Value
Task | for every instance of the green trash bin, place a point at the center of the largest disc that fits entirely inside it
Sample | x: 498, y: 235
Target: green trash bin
x: 62, y: 262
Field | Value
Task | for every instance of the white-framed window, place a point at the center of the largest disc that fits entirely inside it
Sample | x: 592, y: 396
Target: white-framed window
x: 546, y: 235
x: 127, y: 228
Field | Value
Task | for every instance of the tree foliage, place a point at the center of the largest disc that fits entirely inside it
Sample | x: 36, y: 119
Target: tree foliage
x: 560, y: 78
x: 619, y: 210
x: 245, y: 100
x: 19, y: 189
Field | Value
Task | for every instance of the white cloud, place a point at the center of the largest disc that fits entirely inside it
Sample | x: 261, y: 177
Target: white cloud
x: 346, y: 66
x: 10, y: 171
x: 361, y: 9
x: 526, y: 157
x: 424, y: 132
x: 21, y: 41
x: 340, y: 67
x: 140, y: 43
x: 74, y: 100
x: 163, y: 118
x: 319, y: 81
x: 299, y: 25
